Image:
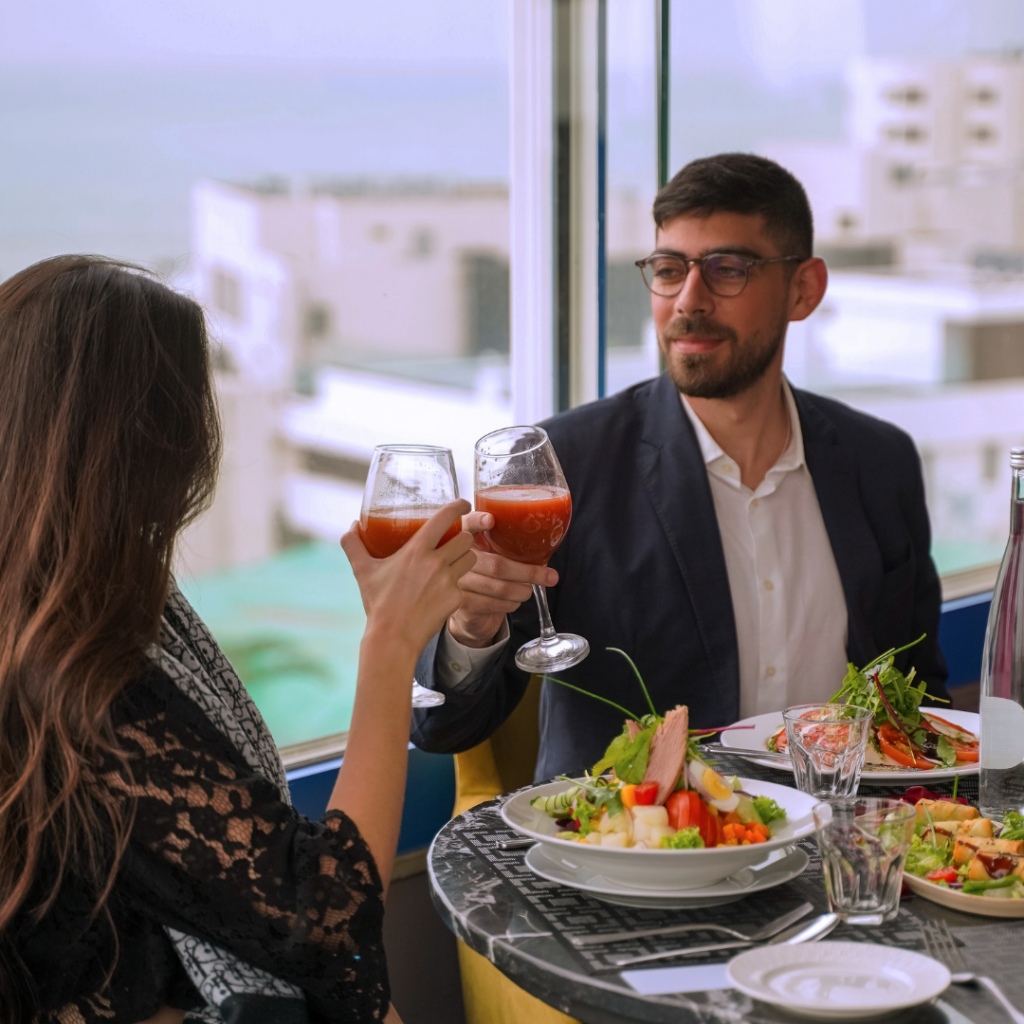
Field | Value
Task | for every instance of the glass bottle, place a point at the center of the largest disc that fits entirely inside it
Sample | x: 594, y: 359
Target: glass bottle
x: 1002, y: 670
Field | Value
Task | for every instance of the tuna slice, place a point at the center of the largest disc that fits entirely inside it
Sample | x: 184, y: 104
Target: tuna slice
x: 634, y: 728
x: 668, y: 751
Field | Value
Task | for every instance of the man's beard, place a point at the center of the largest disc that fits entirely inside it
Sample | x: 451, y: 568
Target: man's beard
x: 702, y: 375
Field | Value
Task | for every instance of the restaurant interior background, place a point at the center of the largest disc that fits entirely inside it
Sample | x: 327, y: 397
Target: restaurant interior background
x: 417, y: 222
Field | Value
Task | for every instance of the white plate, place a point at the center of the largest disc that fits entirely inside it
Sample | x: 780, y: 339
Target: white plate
x: 838, y: 980
x: 875, y: 775
x: 782, y: 866
x: 662, y: 870
x: 968, y: 903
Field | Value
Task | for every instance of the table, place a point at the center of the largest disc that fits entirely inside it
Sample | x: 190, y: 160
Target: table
x: 511, y: 917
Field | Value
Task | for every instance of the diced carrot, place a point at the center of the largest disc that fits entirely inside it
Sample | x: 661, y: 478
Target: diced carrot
x: 755, y: 836
x: 762, y: 829
x: 732, y: 818
x: 628, y: 795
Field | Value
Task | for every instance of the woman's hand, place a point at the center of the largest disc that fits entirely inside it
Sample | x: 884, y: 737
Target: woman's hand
x: 409, y: 596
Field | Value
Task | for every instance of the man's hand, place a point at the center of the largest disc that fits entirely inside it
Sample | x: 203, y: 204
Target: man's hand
x: 495, y: 587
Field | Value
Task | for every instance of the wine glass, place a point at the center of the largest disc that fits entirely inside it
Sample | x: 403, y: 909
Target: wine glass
x: 518, y: 480
x: 406, y: 485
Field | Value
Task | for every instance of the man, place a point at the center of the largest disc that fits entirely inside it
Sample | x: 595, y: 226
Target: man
x: 740, y: 539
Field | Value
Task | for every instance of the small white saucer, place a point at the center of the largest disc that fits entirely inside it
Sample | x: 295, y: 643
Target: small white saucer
x: 781, y: 866
x: 838, y: 980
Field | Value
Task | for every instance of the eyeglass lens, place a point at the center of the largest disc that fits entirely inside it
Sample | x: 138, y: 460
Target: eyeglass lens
x: 723, y: 274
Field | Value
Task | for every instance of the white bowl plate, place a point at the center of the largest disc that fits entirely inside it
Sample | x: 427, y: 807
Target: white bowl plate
x: 873, y: 775
x: 969, y: 903
x: 782, y: 866
x: 671, y: 871
x: 838, y: 980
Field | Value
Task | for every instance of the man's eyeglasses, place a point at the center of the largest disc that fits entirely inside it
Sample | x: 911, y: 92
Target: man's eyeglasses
x: 725, y: 274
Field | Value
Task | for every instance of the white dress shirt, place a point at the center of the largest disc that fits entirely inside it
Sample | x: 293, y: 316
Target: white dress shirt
x: 787, y: 596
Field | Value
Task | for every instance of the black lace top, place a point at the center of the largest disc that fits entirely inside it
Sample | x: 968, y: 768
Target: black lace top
x: 214, y: 853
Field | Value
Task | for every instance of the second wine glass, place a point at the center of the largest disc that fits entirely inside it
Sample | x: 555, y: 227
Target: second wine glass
x: 406, y: 485
x: 519, y: 481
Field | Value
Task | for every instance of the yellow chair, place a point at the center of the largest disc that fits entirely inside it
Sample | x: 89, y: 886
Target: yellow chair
x: 504, y: 762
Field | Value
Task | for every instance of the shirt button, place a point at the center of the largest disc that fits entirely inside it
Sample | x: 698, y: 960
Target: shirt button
x: 753, y: 504
x: 770, y: 671
x: 727, y: 468
x: 456, y: 667
x: 768, y: 585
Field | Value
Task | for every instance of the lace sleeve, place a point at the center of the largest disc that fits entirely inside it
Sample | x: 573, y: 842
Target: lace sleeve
x: 215, y: 852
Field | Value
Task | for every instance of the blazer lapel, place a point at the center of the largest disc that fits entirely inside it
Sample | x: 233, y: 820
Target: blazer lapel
x: 832, y: 470
x: 673, y: 472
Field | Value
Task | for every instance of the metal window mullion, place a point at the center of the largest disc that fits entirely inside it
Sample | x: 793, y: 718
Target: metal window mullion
x: 531, y: 212
x: 578, y: 237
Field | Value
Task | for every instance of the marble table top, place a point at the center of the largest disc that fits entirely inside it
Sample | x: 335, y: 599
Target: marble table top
x: 497, y: 921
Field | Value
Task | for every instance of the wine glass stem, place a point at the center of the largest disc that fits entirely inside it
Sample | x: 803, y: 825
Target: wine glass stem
x: 547, y: 630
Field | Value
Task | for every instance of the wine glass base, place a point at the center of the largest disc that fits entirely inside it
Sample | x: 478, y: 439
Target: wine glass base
x: 561, y: 651
x: 424, y: 698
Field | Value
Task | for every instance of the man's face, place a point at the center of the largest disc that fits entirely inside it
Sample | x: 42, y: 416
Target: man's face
x: 716, y: 347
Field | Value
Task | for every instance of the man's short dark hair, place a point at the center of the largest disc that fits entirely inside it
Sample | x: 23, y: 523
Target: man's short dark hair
x: 746, y: 184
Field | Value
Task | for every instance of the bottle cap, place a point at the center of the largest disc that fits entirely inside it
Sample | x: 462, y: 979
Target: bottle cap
x: 1017, y: 458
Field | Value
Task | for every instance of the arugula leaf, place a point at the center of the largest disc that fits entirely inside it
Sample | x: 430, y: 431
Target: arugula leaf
x: 615, y: 751
x: 599, y: 792
x: 632, y: 765
x: 946, y: 751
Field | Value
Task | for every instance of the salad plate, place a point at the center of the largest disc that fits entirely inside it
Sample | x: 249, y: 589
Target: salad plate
x: 765, y: 726
x: 659, y: 870
x: 782, y: 866
x: 838, y: 980
x: 962, y: 901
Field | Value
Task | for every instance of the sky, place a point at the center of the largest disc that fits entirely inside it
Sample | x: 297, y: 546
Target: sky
x: 110, y: 109
x: 340, y: 34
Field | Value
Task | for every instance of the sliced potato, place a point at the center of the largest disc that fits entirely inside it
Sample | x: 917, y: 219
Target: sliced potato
x: 615, y: 839
x: 653, y: 815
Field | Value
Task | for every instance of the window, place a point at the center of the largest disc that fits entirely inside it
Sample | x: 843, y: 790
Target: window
x: 333, y: 188
x: 898, y: 121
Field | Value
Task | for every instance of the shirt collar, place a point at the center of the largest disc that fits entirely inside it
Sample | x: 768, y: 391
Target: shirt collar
x: 791, y: 458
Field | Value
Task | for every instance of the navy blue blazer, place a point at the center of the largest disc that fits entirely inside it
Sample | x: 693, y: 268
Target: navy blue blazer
x: 642, y: 569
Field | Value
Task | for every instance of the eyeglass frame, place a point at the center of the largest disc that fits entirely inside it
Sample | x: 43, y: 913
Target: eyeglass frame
x: 689, y: 262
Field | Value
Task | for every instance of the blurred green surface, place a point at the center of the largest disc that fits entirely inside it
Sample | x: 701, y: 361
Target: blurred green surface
x: 955, y: 556
x: 291, y: 627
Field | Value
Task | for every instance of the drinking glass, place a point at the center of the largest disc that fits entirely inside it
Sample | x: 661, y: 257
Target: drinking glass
x: 864, y: 843
x: 827, y: 744
x: 406, y: 485
x: 518, y: 480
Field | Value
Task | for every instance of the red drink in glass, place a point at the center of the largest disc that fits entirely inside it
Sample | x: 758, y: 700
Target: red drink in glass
x: 529, y: 520
x: 385, y: 530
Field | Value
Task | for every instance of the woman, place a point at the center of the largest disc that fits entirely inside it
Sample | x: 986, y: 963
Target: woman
x: 151, y: 867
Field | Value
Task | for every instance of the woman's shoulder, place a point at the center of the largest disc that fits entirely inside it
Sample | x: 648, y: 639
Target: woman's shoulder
x: 153, y: 717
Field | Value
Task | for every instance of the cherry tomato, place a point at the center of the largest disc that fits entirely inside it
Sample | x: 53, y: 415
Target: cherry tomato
x: 678, y: 807
x: 942, y: 875
x: 646, y: 793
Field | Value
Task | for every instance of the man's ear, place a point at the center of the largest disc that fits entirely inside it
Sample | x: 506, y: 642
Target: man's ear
x: 807, y: 288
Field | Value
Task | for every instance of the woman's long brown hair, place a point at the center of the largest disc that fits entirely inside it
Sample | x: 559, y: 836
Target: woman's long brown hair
x: 109, y: 444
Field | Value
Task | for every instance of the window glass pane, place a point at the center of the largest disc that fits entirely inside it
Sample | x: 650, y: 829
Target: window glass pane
x: 330, y: 181
x: 904, y: 122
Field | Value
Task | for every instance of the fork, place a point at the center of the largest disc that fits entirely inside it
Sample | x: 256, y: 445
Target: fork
x: 940, y: 945
x: 766, y: 932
